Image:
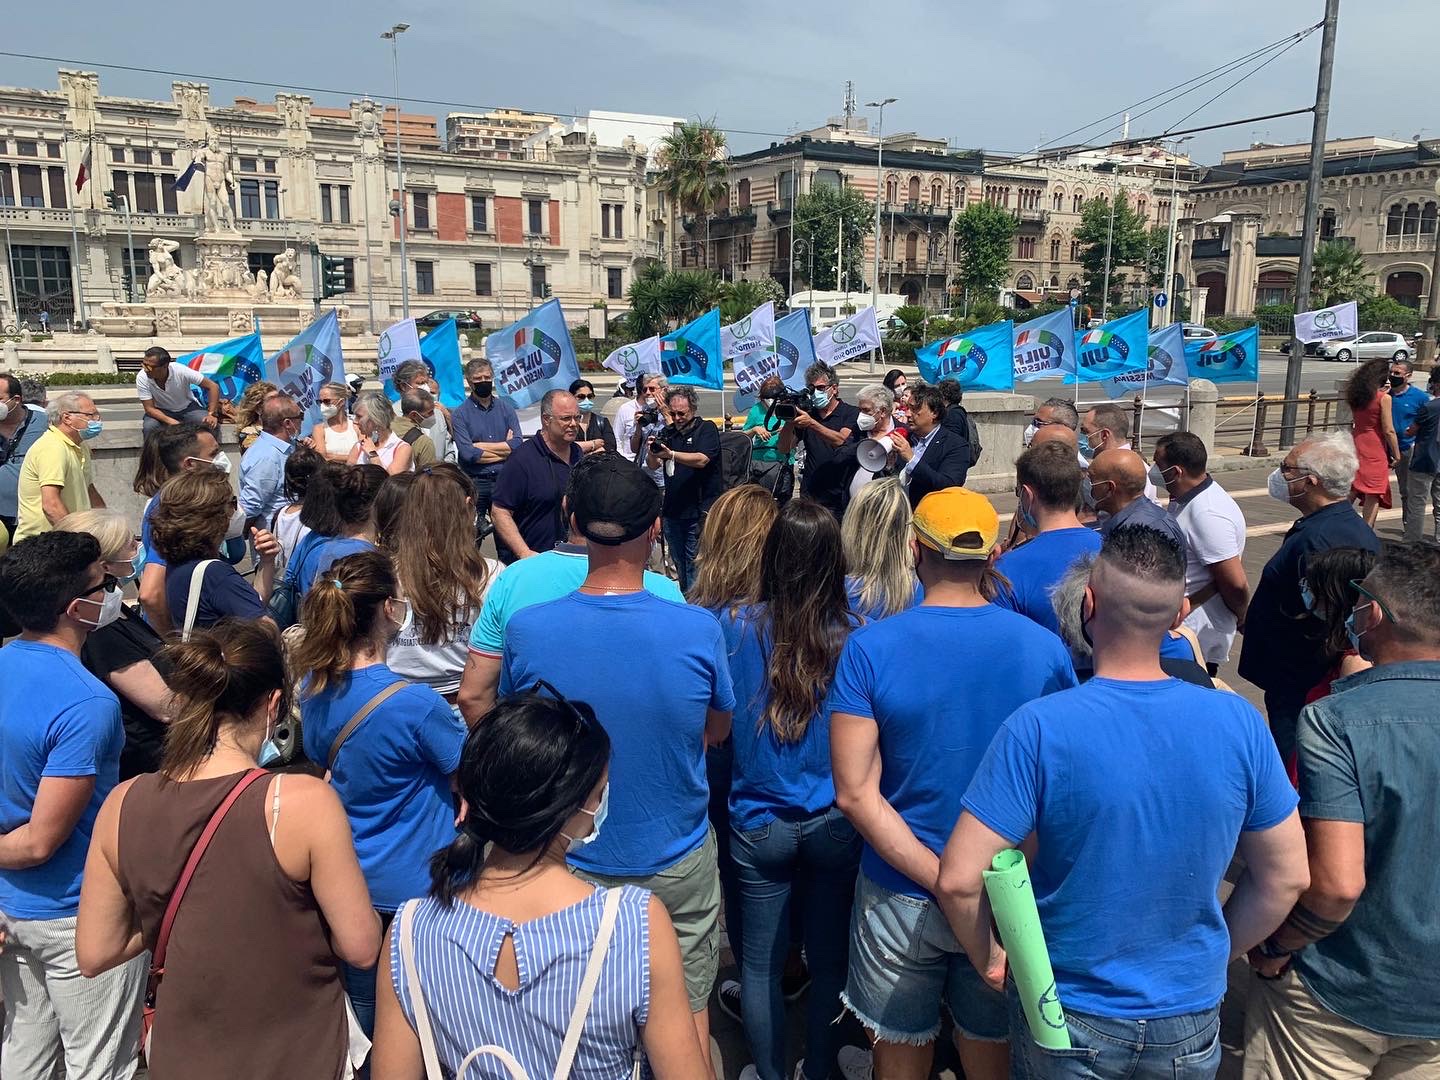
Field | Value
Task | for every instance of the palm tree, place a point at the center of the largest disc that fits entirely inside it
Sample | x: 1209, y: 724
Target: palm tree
x: 692, y: 170
x: 739, y: 298
x: 661, y: 299
x: 1338, y: 274
x: 911, y: 318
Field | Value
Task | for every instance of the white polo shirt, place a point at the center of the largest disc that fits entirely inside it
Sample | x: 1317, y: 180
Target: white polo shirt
x: 175, y: 395
x: 1214, y: 531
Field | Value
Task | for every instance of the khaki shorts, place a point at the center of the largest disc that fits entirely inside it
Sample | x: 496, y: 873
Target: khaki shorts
x: 690, y: 891
x: 1289, y: 1035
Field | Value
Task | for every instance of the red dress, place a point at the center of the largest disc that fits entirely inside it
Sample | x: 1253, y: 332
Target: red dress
x: 1373, y: 476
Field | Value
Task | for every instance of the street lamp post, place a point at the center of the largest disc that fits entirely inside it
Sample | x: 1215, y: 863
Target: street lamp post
x: 124, y: 201
x: 393, y: 36
x: 879, y: 185
x: 1167, y: 313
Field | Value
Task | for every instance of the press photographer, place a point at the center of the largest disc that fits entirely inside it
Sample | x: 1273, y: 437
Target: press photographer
x: 823, y: 425
x: 688, y: 448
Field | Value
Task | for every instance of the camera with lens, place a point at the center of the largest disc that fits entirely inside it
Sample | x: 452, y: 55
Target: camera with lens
x: 787, y: 404
x: 647, y: 416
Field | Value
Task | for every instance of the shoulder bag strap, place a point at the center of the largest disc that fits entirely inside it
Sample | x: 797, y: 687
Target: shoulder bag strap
x: 162, y: 940
x: 192, y: 604
x: 354, y: 721
x: 423, y: 1030
x: 588, y: 983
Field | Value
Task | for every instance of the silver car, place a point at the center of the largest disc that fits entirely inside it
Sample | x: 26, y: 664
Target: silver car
x: 1368, y: 346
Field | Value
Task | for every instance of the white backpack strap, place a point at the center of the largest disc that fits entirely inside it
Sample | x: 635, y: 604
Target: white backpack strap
x: 417, y: 996
x: 588, y: 983
x: 192, y: 604
x: 512, y: 1066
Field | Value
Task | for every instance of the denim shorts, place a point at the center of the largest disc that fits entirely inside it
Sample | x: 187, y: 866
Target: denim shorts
x: 904, y: 960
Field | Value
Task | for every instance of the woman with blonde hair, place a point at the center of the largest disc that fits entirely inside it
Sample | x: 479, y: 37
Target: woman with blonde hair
x: 247, y: 412
x: 727, y: 571
x: 377, y: 444
x: 336, y: 434
x: 875, y: 534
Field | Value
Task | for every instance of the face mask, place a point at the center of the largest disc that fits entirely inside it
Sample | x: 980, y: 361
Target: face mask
x: 109, y: 609
x: 1028, y: 435
x: 599, y: 814
x: 1355, y: 635
x: 269, y: 751
x: 865, y: 422
x: 236, y: 528
x: 92, y: 429
x: 1396, y: 381
x: 482, y: 389
x: 1093, y: 498
x: 4, y: 410
x: 1027, y: 515
x: 1088, y: 448
x: 1157, y: 475
x: 219, y: 461
x: 1278, y: 486
x: 822, y: 398
x: 428, y: 422
x: 136, y: 565
x: 587, y: 404
x: 405, y: 623
x: 329, y: 412
x: 1307, y: 597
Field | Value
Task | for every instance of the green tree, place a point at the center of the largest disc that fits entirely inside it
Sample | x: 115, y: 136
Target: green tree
x: 1338, y: 274
x: 911, y: 319
x: 739, y: 298
x: 1130, y: 247
x: 983, y: 232
x: 1387, y: 313
x: 661, y: 299
x: 816, y: 216
x: 691, y: 162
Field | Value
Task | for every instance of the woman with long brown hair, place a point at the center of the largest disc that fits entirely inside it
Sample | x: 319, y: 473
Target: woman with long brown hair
x: 339, y: 509
x: 787, y: 836
x: 390, y: 746
x: 727, y: 571
x: 1373, y: 429
x: 251, y: 983
x: 247, y: 412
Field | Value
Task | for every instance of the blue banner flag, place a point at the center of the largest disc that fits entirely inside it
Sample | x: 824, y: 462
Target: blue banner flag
x: 311, y: 360
x: 1045, y: 346
x: 1167, y: 365
x: 691, y: 355
x: 233, y: 365
x: 440, y: 349
x: 795, y: 343
x: 183, y: 181
x: 981, y: 359
x: 1112, y: 348
x: 532, y: 356
x: 1227, y: 358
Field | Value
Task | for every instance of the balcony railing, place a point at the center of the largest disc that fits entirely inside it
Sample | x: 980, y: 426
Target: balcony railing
x: 917, y: 210
x: 34, y: 215
x: 1032, y: 217
x: 1410, y: 242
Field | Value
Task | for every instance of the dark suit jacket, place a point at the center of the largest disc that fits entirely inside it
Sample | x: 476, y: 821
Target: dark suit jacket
x: 945, y: 464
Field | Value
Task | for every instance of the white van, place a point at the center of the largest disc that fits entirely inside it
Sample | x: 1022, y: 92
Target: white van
x: 829, y: 308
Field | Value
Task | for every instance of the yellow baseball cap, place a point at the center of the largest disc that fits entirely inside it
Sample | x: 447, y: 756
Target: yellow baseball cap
x: 958, y: 523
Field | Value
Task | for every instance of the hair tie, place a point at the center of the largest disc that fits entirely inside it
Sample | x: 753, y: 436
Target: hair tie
x: 337, y: 583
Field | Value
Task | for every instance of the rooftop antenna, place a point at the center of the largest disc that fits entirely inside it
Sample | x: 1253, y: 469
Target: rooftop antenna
x: 849, y: 102
x: 1125, y: 128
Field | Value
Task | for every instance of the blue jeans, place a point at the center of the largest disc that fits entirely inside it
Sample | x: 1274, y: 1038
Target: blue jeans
x: 682, y: 537
x: 360, y: 985
x: 719, y: 766
x: 818, y: 856
x: 1104, y: 1047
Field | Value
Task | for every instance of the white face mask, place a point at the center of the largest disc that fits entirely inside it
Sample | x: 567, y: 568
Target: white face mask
x: 602, y: 809
x: 4, y: 410
x: 237, y: 525
x: 329, y: 412
x: 1028, y: 435
x: 428, y: 422
x: 110, y: 606
x: 865, y: 422
x: 406, y: 623
x: 219, y: 461
x: 1278, y: 486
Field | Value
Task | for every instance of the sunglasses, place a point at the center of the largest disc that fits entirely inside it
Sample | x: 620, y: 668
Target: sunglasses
x: 581, y: 722
x: 1366, y: 594
x: 108, y: 582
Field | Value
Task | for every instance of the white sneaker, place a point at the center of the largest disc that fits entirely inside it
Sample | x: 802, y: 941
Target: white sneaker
x: 855, y: 1063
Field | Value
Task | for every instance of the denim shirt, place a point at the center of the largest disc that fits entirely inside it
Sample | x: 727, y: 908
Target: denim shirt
x: 1370, y: 754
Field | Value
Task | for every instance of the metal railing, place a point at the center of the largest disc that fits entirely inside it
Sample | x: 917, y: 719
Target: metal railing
x: 1316, y: 413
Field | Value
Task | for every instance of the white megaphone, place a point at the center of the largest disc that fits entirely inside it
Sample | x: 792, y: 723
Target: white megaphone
x: 873, y: 453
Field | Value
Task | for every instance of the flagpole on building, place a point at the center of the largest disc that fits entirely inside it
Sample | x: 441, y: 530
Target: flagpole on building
x: 79, y: 307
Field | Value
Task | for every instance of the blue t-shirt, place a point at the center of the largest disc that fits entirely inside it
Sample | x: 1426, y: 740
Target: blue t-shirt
x: 651, y: 669
x: 152, y: 556
x: 56, y: 719
x: 1036, y: 567
x: 933, y: 728
x: 392, y: 776
x: 226, y: 594
x: 1403, y: 408
x: 771, y: 778
x: 323, y: 555
x: 853, y: 585
x: 1139, y: 792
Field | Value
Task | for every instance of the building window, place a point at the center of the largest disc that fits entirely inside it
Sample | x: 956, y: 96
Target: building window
x: 479, y: 220
x: 349, y: 265
x: 120, y: 184
x: 167, y: 158
x: 785, y: 188
x: 1074, y: 250
x: 141, y: 157
x: 892, y: 190
x: 536, y: 220
x: 1427, y: 219
x: 912, y: 191
x: 44, y: 274
x: 612, y: 221
x: 424, y: 277
x: 169, y: 200
x: 537, y: 281
x: 742, y: 194
x: 605, y: 220
x: 270, y: 166
x: 52, y: 149
x: 272, y: 199
x: 1025, y: 247
x: 32, y: 187
x: 249, y: 197
x: 482, y: 279
x: 614, y: 282
x: 58, y: 188
x: 326, y: 215
x: 343, y: 190
x: 117, y: 153
x: 1077, y: 203
x: 26, y: 148
x: 936, y: 192
x: 1025, y: 281
x: 1055, y: 249
x: 420, y: 212
x: 247, y: 164
x: 1057, y: 201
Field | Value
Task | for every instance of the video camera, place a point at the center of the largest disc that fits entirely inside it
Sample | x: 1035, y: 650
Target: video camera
x: 787, y: 404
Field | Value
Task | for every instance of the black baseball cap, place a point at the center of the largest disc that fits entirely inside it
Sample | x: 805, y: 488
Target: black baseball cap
x: 613, y: 500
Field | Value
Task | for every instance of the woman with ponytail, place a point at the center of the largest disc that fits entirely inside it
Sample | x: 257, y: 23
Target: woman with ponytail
x: 252, y: 984
x: 390, y: 746
x: 501, y: 943
x: 340, y: 511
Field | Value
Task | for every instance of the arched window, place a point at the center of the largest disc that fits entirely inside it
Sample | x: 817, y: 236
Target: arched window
x: 912, y: 246
x: 1025, y: 281
x: 1077, y: 203
x: 1074, y: 250
x: 1057, y: 200
x: 958, y: 196
x: 1055, y: 250
x: 892, y: 190
x: 1427, y: 219
x: 1411, y: 224
x: 1327, y: 224
x: 937, y: 192
x: 742, y: 194
x: 1073, y: 283
x: 1392, y: 220
x: 1055, y: 280
x: 1140, y: 207
x: 913, y: 193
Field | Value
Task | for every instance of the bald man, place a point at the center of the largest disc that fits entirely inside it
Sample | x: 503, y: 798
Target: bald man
x: 1126, y: 874
x: 1117, y: 484
x: 1056, y: 433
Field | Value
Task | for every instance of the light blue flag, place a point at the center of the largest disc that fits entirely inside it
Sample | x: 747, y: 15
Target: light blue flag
x: 795, y: 344
x: 1045, y: 347
x: 1167, y: 365
x: 233, y: 365
x: 440, y: 349
x: 1112, y: 348
x: 1227, y: 358
x: 533, y: 355
x: 691, y: 356
x: 311, y: 360
x: 979, y: 360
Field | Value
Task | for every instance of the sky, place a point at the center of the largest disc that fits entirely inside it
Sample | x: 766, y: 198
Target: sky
x: 1006, y: 77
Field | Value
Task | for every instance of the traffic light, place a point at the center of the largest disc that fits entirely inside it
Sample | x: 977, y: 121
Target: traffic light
x: 332, y: 276
x: 545, y: 290
x: 109, y: 200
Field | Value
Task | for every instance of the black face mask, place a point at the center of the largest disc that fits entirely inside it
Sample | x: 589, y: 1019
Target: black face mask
x: 1397, y: 381
x: 483, y: 389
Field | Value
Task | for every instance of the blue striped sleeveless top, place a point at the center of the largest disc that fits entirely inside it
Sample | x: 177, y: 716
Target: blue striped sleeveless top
x: 456, y: 950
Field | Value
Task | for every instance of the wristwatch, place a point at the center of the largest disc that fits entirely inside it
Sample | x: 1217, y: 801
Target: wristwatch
x: 1271, y: 951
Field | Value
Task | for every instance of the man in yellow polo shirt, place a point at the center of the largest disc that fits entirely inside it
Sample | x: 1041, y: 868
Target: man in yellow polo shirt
x: 58, y: 477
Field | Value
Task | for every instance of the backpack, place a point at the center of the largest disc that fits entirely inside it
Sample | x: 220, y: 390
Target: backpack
x: 975, y: 448
x: 285, y: 596
x: 735, y: 449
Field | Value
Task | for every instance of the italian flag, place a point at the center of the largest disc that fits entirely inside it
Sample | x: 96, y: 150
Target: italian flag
x: 234, y: 364
x: 83, y: 173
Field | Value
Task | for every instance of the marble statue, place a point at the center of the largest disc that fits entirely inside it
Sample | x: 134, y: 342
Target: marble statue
x: 284, y: 281
x: 219, y: 184
x: 166, y: 278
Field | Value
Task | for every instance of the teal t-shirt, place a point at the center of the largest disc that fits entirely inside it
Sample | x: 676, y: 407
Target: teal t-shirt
x: 764, y: 449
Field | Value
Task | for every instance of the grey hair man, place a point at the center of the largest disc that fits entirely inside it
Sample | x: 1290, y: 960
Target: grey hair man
x: 58, y: 476
x: 415, y: 375
x: 487, y: 431
x: 1053, y: 410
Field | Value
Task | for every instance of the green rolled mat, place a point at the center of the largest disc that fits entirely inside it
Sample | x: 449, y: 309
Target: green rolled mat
x: 1012, y: 899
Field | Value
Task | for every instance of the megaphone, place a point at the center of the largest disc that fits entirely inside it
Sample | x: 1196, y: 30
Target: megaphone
x: 872, y: 454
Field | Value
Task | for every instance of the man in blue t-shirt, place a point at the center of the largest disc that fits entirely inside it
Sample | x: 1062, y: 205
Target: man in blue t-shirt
x: 60, y: 742
x: 1406, y: 401
x: 1047, y: 485
x: 1138, y: 788
x: 656, y: 673
x: 904, y: 740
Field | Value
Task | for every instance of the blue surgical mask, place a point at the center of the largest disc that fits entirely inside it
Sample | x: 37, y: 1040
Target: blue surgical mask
x: 269, y: 754
x: 1085, y: 448
x: 1307, y: 597
x: 600, y: 812
x: 92, y: 429
x: 821, y: 398
x: 1355, y: 635
x: 587, y: 404
x: 1027, y: 516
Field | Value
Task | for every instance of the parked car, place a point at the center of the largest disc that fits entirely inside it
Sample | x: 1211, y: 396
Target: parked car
x: 1195, y: 332
x: 1367, y: 346
x: 464, y: 319
x: 1312, y: 348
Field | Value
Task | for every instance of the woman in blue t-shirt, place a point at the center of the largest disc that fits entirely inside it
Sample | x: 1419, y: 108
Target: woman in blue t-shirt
x: 392, y: 770
x: 786, y: 833
x: 339, y: 511
x: 881, y: 577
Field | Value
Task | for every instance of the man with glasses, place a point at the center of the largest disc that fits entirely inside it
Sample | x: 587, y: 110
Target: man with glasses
x: 1346, y: 983
x: 526, y: 504
x: 1052, y: 412
x: 1283, y: 652
x: 21, y: 425
x: 262, y: 468
x: 688, y: 449
x: 60, y: 741
x: 58, y: 477
x: 823, y: 430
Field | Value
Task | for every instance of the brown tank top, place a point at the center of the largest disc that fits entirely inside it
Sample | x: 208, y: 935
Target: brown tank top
x: 252, y: 988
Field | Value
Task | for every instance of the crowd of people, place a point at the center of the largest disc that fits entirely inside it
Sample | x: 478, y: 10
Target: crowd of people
x: 338, y: 795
